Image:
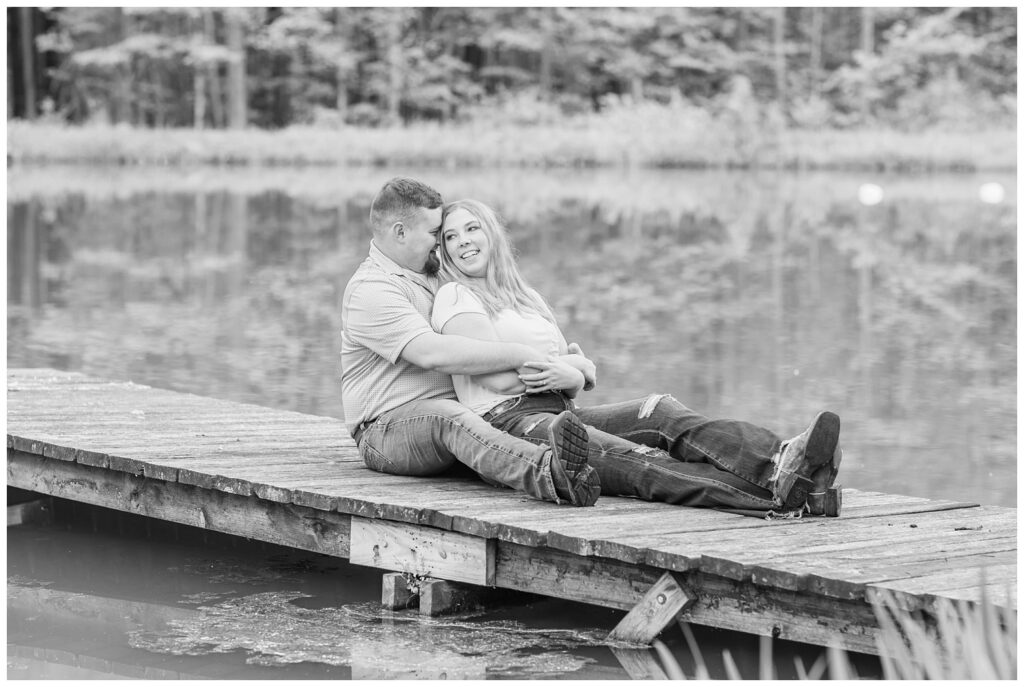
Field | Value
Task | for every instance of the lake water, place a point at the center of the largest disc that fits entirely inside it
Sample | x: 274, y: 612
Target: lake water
x: 104, y: 595
x: 763, y: 297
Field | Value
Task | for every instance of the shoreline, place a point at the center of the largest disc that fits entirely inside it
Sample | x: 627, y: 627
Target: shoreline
x: 597, y: 144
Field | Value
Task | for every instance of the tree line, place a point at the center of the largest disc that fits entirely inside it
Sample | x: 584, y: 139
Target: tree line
x: 378, y: 66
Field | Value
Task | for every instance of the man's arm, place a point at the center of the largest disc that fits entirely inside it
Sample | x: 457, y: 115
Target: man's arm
x: 380, y: 317
x: 460, y: 355
x: 479, y: 327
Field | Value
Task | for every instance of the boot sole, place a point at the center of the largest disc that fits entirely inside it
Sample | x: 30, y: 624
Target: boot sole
x: 569, y: 442
x: 821, y: 444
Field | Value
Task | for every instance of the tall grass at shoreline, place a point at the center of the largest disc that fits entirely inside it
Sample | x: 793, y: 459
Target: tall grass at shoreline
x: 961, y: 641
x: 657, y: 137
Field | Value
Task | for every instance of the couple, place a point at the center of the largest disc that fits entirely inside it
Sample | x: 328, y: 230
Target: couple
x: 456, y: 359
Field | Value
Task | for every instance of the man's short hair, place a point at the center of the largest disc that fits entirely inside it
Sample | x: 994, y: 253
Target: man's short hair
x: 399, y: 198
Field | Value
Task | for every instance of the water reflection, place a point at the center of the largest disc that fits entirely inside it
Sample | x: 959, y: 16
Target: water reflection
x: 764, y: 297
x: 103, y: 595
x: 275, y: 630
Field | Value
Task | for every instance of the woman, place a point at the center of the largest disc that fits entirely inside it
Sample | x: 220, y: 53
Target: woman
x: 653, y: 448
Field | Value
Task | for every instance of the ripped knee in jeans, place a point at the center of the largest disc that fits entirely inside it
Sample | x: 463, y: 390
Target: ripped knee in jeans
x: 532, y: 426
x: 649, y: 404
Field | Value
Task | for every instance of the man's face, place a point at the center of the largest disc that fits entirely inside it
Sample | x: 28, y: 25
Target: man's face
x: 422, y: 229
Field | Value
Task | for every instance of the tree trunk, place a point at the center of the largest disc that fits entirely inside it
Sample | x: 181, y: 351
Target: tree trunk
x: 121, y: 110
x: 394, y: 66
x: 213, y: 73
x: 867, y: 47
x: 867, y: 30
x: 198, y: 81
x: 341, y: 99
x: 544, y: 69
x: 237, y: 114
x: 341, y: 70
x: 28, y: 66
x: 741, y: 31
x: 10, y: 91
x: 817, y: 35
x: 778, y: 42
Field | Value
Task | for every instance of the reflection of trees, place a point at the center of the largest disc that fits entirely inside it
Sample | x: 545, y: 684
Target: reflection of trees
x: 764, y: 299
x: 903, y: 321
x: 212, y: 294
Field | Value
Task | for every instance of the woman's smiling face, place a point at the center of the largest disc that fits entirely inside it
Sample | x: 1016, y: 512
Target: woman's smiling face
x: 466, y: 242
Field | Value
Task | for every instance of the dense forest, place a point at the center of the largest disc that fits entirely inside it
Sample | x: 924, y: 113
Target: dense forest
x: 806, y: 67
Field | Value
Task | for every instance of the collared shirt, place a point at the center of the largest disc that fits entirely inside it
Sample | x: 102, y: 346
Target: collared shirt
x: 385, y: 306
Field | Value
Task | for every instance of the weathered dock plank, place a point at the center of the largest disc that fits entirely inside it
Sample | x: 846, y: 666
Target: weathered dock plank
x: 423, y: 551
x: 217, y: 510
x: 998, y: 581
x: 659, y: 607
x: 298, y: 480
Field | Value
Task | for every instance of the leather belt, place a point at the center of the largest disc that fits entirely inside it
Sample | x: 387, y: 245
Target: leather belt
x: 358, y: 433
x: 503, y: 407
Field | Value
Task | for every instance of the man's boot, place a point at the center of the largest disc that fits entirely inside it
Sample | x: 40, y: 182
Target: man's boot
x: 824, y: 498
x: 800, y: 457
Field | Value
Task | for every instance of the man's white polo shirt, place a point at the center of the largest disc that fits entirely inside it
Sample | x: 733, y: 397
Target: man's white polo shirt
x: 385, y: 306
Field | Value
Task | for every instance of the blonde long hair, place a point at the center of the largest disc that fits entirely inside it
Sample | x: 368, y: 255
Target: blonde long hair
x: 502, y: 287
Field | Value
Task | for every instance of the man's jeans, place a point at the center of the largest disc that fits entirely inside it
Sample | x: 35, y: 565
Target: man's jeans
x: 657, y: 449
x: 428, y: 437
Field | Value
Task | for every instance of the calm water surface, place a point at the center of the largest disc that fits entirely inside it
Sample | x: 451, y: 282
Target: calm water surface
x: 104, y: 595
x: 760, y: 297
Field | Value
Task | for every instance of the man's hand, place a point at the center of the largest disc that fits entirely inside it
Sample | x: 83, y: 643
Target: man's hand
x: 577, y: 359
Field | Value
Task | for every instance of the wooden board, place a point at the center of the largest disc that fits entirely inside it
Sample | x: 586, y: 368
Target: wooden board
x: 659, y: 607
x: 536, y: 570
x: 295, y: 479
x: 422, y: 551
x: 277, y: 523
x: 30, y: 512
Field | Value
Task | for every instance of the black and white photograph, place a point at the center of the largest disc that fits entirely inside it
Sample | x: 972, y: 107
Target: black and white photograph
x: 424, y: 343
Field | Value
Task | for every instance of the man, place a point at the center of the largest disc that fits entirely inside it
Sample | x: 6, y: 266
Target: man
x: 396, y: 370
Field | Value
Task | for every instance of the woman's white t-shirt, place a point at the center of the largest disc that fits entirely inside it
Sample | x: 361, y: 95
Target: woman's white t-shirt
x: 511, y: 327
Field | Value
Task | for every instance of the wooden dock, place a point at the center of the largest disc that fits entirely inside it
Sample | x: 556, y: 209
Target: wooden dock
x: 297, y: 480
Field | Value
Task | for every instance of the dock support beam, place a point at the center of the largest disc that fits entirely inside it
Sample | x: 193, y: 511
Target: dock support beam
x: 34, y: 512
x: 639, y: 664
x: 440, y: 597
x: 396, y: 593
x: 659, y: 607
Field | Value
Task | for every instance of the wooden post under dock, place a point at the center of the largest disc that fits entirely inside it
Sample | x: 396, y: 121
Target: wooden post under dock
x: 297, y: 480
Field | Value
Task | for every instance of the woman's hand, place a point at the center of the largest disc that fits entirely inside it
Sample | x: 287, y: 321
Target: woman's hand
x: 552, y: 375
